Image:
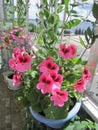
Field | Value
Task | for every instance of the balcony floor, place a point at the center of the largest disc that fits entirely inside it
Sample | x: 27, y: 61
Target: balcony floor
x: 10, y: 114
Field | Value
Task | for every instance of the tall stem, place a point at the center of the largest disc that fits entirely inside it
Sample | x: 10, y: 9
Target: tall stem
x: 64, y: 17
x: 27, y: 17
x: 83, y: 52
x: 42, y: 7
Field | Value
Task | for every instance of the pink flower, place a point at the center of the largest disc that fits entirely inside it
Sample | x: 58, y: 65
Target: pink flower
x: 57, y: 78
x: 73, y: 50
x: 16, y: 33
x: 59, y: 97
x: 48, y: 65
x: 80, y: 85
x: 16, y: 51
x: 24, y: 62
x: 32, y: 55
x: 13, y: 35
x: 45, y: 83
x: 17, y: 79
x: 43, y: 62
x: 62, y: 49
x: 67, y: 51
x: 13, y: 63
x: 21, y: 37
x: 86, y: 74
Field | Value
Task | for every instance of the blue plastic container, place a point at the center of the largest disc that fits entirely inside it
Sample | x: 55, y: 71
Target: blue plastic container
x: 57, y: 124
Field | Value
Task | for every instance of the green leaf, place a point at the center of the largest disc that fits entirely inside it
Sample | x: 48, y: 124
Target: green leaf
x: 7, y: 1
x: 72, y: 23
x: 33, y: 74
x: 86, y: 37
x: 45, y: 2
x: 84, y: 0
x: 73, y: 11
x: 70, y: 127
x: 60, y: 9
x: 74, y: 4
x: 82, y: 42
x: 40, y: 40
x: 66, y: 2
x: 51, y: 19
x: 46, y: 13
x: 96, y: 126
x: 95, y: 10
x: 96, y: 36
x: 89, y: 32
x: 55, y: 112
x: 34, y: 98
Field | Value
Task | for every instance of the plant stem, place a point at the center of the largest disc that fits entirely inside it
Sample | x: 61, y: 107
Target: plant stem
x: 83, y: 52
x: 27, y: 2
x: 64, y: 17
x: 42, y: 7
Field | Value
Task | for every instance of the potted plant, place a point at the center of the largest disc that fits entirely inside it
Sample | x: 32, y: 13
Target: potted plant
x: 19, y: 63
x: 54, y: 80
x: 13, y: 41
x: 11, y: 38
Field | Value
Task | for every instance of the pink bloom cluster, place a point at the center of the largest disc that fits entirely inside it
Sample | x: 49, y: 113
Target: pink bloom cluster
x: 16, y: 37
x: 67, y: 52
x: 80, y: 84
x: 17, y: 33
x: 20, y: 62
x: 50, y: 82
x: 17, y: 79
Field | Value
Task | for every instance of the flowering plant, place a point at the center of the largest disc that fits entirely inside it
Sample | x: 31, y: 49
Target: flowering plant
x: 55, y: 77
x: 51, y: 80
x: 15, y: 37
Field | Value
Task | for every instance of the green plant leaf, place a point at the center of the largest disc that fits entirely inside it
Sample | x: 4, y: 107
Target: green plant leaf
x: 89, y: 32
x: 95, y: 10
x: 96, y: 126
x: 40, y: 40
x: 51, y: 19
x: 33, y: 74
x: 84, y: 0
x: 66, y: 2
x: 55, y: 112
x: 73, y: 11
x: 60, y: 9
x: 72, y: 23
x: 82, y: 42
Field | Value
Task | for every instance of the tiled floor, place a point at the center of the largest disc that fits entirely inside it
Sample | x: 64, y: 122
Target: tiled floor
x: 10, y: 112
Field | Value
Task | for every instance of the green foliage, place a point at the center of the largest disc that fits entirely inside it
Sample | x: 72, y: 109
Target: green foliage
x: 95, y: 10
x: 82, y: 42
x: 71, y: 69
x: 20, y: 9
x: 90, y: 37
x: 55, y: 112
x: 78, y: 124
x: 60, y: 9
x: 72, y: 23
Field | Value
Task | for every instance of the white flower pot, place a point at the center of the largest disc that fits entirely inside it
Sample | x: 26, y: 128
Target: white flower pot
x: 9, y: 81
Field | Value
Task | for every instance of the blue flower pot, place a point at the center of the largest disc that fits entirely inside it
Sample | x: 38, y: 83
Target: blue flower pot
x: 56, y: 124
